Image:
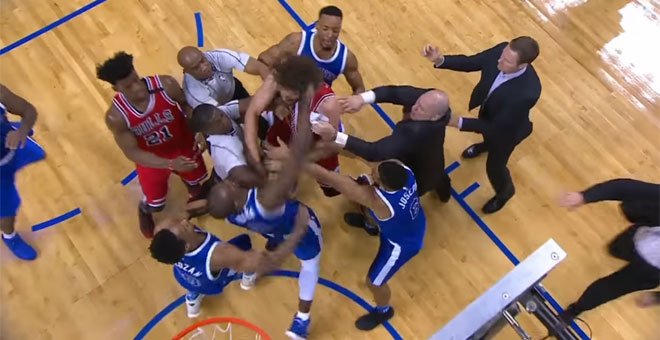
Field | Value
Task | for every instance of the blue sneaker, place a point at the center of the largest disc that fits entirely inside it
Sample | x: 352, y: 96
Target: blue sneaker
x: 299, y: 329
x: 20, y: 248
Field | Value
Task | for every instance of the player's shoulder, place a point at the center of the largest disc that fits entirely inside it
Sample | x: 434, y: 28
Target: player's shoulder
x: 293, y: 39
x: 167, y: 80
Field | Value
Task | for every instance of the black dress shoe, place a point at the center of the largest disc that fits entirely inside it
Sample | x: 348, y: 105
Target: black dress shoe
x: 495, y: 204
x: 473, y: 151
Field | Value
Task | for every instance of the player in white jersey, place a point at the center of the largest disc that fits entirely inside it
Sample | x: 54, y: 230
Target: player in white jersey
x: 208, y: 77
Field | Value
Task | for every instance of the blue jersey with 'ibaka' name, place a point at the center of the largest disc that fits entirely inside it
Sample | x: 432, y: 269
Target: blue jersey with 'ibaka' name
x: 407, y: 223
x: 194, y: 273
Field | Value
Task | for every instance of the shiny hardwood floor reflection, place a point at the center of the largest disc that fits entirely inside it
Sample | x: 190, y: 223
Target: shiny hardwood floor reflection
x: 598, y: 118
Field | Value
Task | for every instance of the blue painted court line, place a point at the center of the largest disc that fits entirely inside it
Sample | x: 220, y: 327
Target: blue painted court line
x: 280, y: 273
x: 452, y: 167
x: 162, y: 314
x: 50, y: 27
x: 293, y: 14
x: 469, y: 190
x: 59, y: 219
x: 484, y: 227
x: 129, y: 178
x: 311, y: 26
x: 200, y: 29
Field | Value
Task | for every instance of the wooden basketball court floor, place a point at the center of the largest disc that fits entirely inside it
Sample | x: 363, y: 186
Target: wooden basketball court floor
x: 598, y: 118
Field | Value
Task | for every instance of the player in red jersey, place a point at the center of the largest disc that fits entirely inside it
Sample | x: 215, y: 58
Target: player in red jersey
x: 281, y: 92
x: 148, y: 118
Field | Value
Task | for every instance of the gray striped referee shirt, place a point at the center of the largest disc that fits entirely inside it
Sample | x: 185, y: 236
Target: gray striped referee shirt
x: 219, y: 89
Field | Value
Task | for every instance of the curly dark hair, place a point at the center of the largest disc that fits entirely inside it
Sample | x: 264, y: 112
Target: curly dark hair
x: 167, y: 248
x: 116, y: 68
x: 297, y: 73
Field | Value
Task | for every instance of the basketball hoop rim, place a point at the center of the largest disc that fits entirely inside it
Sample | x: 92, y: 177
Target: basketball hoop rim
x: 221, y: 319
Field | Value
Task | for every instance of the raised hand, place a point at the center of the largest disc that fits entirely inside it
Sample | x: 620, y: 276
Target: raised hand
x: 432, y: 53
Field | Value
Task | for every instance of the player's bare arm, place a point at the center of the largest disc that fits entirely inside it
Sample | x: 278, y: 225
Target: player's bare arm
x: 174, y: 91
x: 17, y: 105
x: 126, y: 141
x: 227, y: 255
x: 245, y: 177
x: 257, y: 68
x: 276, y: 53
x: 259, y: 102
x: 352, y: 74
x: 275, y: 193
x: 364, y: 195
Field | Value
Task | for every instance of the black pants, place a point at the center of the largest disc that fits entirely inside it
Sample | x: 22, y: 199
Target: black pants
x: 635, y: 276
x: 239, y: 90
x: 499, y: 152
x: 442, y: 187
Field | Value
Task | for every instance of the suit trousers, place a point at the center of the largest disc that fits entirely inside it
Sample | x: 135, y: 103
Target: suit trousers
x: 499, y: 151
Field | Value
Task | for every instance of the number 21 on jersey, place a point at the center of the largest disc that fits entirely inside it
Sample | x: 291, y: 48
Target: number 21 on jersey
x: 160, y: 136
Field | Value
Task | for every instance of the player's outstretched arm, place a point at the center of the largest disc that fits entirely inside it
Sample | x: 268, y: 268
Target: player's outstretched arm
x: 276, y: 53
x: 227, y: 255
x: 275, y: 193
x: 257, y: 104
x: 361, y: 194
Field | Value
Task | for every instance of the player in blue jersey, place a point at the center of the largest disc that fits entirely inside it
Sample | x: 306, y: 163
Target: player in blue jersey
x: 16, y: 151
x: 204, y: 264
x: 392, y: 200
x: 269, y: 211
x: 321, y: 44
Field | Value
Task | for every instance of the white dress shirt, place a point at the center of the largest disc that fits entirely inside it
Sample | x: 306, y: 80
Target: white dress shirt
x: 499, y: 80
x: 227, y: 150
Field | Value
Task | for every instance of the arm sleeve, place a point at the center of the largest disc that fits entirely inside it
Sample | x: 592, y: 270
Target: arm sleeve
x: 398, y: 95
x: 391, y: 147
x: 622, y: 189
x: 471, y: 63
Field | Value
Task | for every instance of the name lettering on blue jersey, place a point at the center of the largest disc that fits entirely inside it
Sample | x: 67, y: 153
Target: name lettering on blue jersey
x: 189, y: 269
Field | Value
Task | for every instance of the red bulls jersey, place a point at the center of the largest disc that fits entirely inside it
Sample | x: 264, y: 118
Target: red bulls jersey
x: 162, y: 129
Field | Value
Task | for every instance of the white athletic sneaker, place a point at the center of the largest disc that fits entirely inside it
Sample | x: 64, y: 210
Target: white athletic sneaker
x: 194, y: 304
x: 248, y: 280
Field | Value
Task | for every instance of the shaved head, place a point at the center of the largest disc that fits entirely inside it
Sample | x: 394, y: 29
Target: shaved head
x: 431, y: 105
x: 188, y: 56
x: 221, y: 200
x: 193, y: 62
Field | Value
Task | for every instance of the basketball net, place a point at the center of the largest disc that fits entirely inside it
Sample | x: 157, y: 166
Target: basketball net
x: 222, y: 328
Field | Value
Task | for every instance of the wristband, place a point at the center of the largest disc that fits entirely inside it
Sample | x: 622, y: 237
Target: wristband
x: 369, y: 97
x: 341, y: 139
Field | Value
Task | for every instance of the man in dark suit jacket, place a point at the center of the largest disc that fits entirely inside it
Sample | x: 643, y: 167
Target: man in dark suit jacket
x: 417, y: 140
x: 508, y: 89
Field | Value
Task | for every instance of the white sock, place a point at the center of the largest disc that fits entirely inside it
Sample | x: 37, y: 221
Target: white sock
x: 309, y: 276
x: 9, y: 236
x: 303, y: 316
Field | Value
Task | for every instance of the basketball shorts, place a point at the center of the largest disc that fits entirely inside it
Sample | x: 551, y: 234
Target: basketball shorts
x: 390, y: 258
x: 11, y: 164
x: 154, y: 181
x: 311, y: 243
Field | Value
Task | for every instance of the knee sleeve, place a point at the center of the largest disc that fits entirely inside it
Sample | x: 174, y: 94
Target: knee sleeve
x: 309, y: 276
